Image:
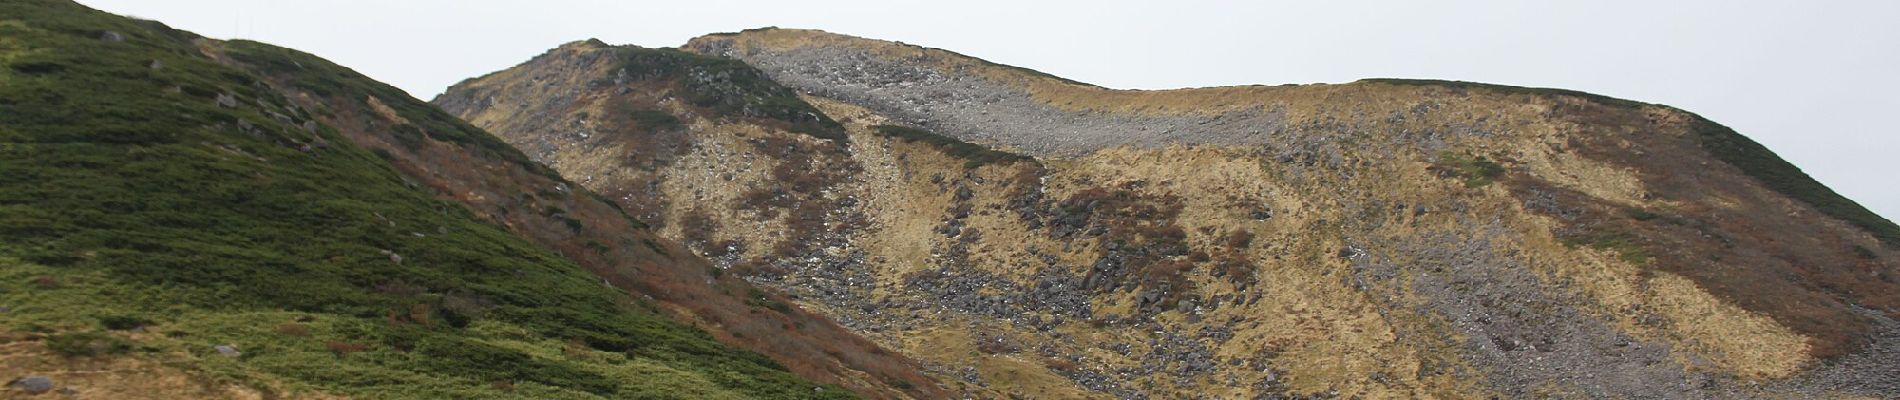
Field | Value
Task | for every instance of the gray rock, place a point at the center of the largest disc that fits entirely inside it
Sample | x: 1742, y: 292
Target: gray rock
x: 983, y: 111
x: 228, y: 350
x: 111, y: 36
x: 32, y: 384
x: 227, y: 101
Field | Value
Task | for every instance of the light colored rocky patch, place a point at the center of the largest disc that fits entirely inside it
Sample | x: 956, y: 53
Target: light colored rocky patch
x: 895, y: 192
x: 1320, y: 334
x: 712, y: 177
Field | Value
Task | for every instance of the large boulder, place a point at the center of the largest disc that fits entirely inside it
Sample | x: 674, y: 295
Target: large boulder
x: 32, y: 384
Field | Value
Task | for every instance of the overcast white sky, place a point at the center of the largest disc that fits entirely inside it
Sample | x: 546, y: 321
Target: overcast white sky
x: 1816, y: 81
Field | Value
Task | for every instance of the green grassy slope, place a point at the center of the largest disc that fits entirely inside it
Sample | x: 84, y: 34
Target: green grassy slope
x: 131, y: 198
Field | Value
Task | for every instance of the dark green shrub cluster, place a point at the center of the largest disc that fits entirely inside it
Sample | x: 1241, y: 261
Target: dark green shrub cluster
x: 973, y: 155
x: 123, y: 322
x: 1777, y: 174
x: 729, y: 87
x: 1641, y: 214
x: 1864, y: 252
x: 87, y: 344
x: 1476, y: 171
x: 1626, y: 246
x: 758, y: 298
x: 654, y: 120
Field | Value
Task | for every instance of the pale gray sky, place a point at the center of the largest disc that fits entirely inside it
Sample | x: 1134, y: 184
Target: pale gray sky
x: 1816, y: 81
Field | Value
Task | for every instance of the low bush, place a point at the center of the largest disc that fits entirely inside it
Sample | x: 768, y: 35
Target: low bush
x: 729, y: 87
x: 1475, y: 171
x: 87, y: 344
x: 973, y: 155
x: 654, y: 120
x: 1779, y: 175
x: 123, y: 322
x: 1626, y: 246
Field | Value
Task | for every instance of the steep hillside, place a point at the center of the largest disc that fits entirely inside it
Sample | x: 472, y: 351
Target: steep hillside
x: 183, y: 217
x: 1028, y: 236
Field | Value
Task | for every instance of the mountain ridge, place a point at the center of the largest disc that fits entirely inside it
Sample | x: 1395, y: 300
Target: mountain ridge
x: 781, y: 213
x: 1429, y: 235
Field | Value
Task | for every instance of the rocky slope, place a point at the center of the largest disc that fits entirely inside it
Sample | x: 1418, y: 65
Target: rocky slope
x: 1027, y: 236
x: 192, y: 218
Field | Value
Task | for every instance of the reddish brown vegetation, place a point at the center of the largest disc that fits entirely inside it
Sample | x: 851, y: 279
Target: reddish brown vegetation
x: 697, y: 228
x: 1141, y: 231
x: 805, y: 171
x: 1057, y: 364
x: 46, y: 282
x: 1759, y: 251
x: 341, y: 349
x: 1239, y: 239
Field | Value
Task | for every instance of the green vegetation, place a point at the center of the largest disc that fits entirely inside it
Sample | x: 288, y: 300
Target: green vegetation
x: 758, y: 298
x: 654, y: 120
x: 1626, y: 246
x: 1476, y: 171
x: 123, y: 322
x: 1641, y: 214
x: 87, y: 344
x: 741, y: 31
x: 729, y: 87
x: 973, y: 155
x: 1864, y: 252
x: 1533, y: 91
x: 328, y: 80
x: 130, y: 197
x: 1758, y: 162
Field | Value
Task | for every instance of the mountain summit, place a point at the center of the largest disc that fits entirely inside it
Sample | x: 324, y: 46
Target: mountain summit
x: 1025, y: 235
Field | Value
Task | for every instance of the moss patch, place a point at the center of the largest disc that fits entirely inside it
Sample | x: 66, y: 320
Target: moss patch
x: 1475, y: 171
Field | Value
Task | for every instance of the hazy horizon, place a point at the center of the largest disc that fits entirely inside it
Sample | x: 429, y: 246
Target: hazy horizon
x: 1811, y: 80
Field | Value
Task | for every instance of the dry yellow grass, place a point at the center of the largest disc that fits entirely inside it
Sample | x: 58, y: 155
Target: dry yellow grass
x: 156, y: 376
x: 697, y: 182
x: 382, y: 110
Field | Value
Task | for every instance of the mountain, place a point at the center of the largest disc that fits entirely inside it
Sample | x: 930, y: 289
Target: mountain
x: 183, y: 217
x: 1026, y: 236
